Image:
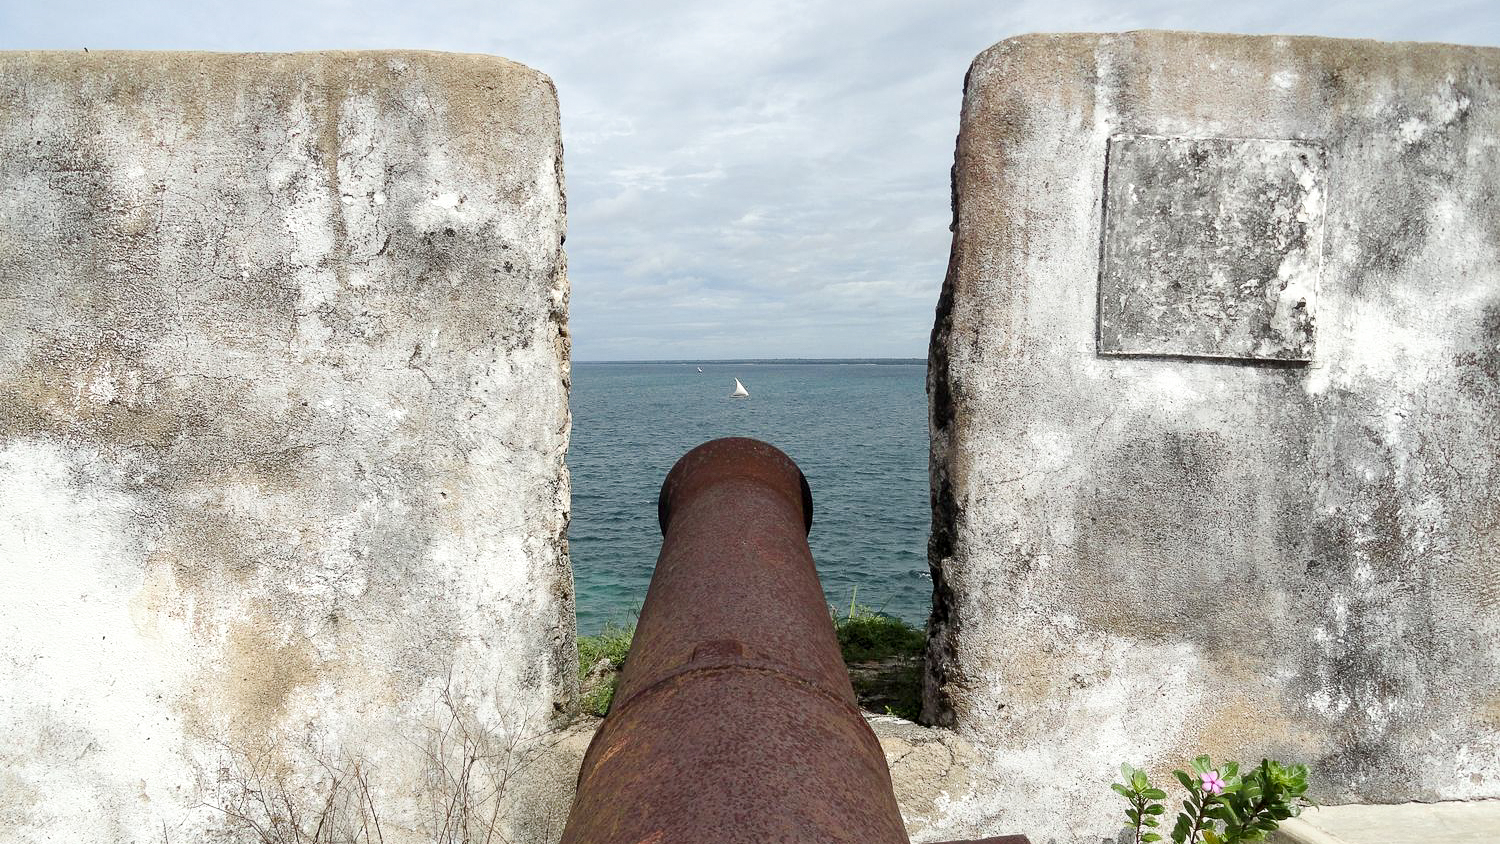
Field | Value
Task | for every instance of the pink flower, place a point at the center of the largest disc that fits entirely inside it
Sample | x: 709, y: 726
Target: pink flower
x: 1212, y: 783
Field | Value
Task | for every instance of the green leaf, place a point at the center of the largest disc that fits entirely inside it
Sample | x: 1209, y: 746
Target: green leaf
x: 1154, y: 794
x: 1211, y: 837
x: 1183, y: 778
x: 1150, y: 836
x: 1121, y: 790
x: 1180, y: 829
x: 1126, y: 771
x: 1155, y: 809
x: 1135, y: 817
x: 1138, y: 779
x: 1201, y: 764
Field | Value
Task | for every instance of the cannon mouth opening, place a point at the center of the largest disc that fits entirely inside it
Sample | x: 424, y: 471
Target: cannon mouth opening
x: 735, y: 458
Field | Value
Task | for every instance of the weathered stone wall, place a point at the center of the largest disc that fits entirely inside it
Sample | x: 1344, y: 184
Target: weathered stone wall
x: 1215, y: 390
x: 283, y: 415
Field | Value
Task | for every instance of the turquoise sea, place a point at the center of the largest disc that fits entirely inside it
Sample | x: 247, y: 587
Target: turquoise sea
x: 858, y: 429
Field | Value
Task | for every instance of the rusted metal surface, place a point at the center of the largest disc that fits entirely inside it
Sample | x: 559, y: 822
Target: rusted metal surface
x: 734, y: 719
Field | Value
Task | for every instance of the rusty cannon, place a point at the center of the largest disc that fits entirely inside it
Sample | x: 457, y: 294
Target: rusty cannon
x: 734, y: 719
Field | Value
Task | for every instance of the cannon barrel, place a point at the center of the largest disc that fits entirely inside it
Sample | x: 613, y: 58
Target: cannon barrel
x: 734, y: 719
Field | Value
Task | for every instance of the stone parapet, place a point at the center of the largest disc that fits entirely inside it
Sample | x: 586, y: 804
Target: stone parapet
x: 283, y: 417
x: 1215, y: 392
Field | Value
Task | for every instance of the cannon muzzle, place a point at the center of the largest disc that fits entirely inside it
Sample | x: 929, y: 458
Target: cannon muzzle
x: 734, y: 719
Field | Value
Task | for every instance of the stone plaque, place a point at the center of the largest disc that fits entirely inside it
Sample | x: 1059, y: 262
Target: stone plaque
x: 1212, y: 247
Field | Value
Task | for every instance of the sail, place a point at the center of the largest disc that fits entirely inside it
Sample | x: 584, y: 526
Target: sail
x: 739, y: 390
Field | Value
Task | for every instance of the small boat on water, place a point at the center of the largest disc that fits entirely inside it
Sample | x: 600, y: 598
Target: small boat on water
x: 739, y: 391
x: 700, y: 369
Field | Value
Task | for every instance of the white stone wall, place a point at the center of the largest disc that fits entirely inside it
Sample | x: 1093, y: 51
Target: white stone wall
x: 283, y: 417
x: 1140, y: 557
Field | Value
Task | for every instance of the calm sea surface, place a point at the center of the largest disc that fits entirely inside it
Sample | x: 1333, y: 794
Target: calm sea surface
x: 858, y: 430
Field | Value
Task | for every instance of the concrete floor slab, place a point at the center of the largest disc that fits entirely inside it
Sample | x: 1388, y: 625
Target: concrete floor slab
x: 1471, y: 822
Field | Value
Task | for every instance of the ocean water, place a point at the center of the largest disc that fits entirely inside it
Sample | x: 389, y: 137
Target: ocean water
x: 857, y: 429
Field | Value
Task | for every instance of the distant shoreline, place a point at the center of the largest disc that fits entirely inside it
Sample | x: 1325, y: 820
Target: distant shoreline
x: 733, y: 361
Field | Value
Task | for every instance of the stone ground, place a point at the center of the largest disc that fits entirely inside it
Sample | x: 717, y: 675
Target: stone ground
x: 1456, y: 822
x: 928, y: 767
x: 933, y: 767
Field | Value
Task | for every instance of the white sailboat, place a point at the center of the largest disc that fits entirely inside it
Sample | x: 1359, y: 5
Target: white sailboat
x: 739, y: 391
x: 700, y: 369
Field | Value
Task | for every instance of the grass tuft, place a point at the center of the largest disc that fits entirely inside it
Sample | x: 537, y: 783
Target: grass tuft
x: 612, y: 644
x: 596, y: 701
x: 600, y: 658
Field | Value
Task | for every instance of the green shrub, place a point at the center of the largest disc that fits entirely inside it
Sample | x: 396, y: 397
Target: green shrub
x: 884, y: 655
x: 613, y: 644
x: 1222, y: 806
x: 865, y: 634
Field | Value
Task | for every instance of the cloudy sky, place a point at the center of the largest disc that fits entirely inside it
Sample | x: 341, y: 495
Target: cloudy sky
x: 745, y: 179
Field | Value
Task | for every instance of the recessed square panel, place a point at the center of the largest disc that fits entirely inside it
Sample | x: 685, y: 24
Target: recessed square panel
x: 1212, y: 247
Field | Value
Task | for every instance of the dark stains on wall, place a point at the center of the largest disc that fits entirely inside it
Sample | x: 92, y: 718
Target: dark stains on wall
x: 939, y: 659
